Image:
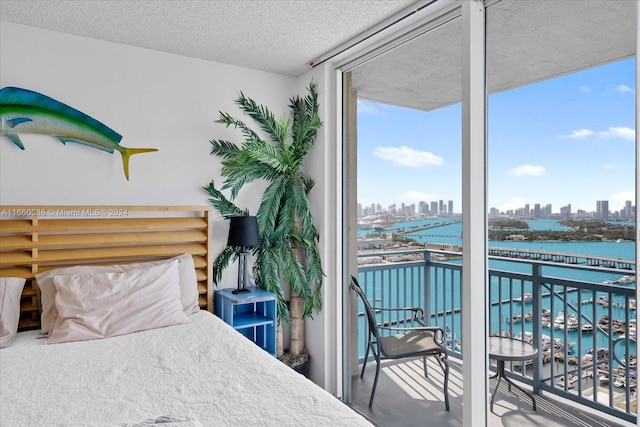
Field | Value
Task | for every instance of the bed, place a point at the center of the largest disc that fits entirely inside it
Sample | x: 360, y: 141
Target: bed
x: 103, y: 361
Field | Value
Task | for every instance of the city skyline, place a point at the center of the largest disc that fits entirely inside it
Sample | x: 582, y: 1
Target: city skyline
x: 436, y: 207
x: 574, y: 133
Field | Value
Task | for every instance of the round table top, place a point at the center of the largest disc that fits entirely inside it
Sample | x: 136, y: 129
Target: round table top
x: 504, y: 348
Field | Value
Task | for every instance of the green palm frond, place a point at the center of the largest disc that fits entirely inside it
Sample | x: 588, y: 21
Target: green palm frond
x: 270, y: 207
x: 278, y: 160
x: 228, y: 120
x: 277, y: 131
x: 316, y: 278
x: 293, y: 272
x: 224, y: 149
x: 222, y: 261
x: 238, y: 175
x: 221, y: 203
x: 306, y: 121
x: 267, y: 277
x: 289, y: 250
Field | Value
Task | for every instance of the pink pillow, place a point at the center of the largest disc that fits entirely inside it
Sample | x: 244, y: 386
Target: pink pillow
x: 10, y: 293
x: 106, y: 304
x: 188, y: 283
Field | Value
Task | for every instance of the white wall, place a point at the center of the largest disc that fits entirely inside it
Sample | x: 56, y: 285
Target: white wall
x: 158, y: 100
x: 152, y: 99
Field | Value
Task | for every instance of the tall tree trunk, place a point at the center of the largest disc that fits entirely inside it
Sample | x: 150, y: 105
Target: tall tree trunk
x: 296, y: 344
x: 279, y: 341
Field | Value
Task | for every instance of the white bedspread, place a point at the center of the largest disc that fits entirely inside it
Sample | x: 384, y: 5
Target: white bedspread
x: 204, y: 370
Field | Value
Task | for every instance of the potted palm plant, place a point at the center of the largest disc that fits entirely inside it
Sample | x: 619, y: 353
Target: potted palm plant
x: 288, y: 255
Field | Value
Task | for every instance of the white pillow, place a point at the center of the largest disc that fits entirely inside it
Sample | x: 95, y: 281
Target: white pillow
x: 188, y: 283
x: 10, y: 293
x: 102, y: 305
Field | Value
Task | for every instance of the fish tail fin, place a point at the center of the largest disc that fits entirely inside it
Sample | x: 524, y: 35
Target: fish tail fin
x: 16, y: 140
x: 128, y: 152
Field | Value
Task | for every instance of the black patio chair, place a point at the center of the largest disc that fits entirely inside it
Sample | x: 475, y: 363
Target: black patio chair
x: 406, y: 342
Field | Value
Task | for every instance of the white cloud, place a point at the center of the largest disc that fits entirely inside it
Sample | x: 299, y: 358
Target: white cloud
x: 513, y: 204
x: 624, y: 89
x: 417, y: 196
x: 366, y: 107
x: 623, y: 132
x: 405, y: 156
x: 527, y: 170
x: 585, y: 89
x: 619, y: 132
x: 580, y: 133
x: 618, y: 200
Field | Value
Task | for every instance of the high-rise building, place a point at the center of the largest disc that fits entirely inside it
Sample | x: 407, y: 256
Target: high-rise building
x: 450, y: 209
x: 565, y: 212
x: 441, y: 206
x: 434, y: 208
x: 537, y: 212
x: 628, y: 209
x: 602, y: 209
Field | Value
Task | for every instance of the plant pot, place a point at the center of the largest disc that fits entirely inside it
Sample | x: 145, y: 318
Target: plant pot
x: 300, y: 363
x: 303, y: 368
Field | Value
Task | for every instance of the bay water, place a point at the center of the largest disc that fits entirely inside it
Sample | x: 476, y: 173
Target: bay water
x: 451, y: 233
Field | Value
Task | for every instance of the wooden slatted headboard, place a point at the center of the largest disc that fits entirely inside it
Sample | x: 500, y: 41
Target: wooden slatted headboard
x: 34, y: 239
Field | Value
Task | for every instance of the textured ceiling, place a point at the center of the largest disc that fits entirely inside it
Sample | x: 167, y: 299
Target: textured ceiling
x: 527, y: 41
x: 281, y: 36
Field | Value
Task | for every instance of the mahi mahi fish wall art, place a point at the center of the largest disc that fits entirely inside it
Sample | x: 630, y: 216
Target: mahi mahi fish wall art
x: 25, y: 111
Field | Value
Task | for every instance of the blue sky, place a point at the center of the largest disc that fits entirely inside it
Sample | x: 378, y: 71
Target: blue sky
x: 565, y: 140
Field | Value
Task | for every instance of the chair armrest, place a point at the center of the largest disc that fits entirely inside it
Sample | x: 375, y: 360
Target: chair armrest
x: 438, y: 335
x: 418, y: 312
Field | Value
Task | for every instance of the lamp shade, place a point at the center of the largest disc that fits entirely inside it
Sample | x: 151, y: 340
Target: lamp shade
x: 243, y: 231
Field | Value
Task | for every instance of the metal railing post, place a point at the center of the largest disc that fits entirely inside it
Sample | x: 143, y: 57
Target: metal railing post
x: 427, y: 287
x: 537, y: 324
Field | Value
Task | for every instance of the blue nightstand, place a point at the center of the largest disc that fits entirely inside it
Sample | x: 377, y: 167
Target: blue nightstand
x: 254, y: 314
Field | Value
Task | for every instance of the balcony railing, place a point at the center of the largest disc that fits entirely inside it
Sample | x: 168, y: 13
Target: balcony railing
x: 583, y: 324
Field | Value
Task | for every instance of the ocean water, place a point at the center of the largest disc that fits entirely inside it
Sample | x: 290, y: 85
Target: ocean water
x: 500, y: 314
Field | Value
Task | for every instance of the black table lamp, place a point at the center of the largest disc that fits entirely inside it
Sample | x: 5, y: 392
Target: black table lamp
x: 243, y: 232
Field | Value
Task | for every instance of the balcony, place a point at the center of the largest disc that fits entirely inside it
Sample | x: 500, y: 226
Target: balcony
x: 583, y: 325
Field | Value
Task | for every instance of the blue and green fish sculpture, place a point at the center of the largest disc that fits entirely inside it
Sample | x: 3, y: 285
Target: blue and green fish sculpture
x: 25, y: 111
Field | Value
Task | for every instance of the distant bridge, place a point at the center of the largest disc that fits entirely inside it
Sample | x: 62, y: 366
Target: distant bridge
x: 415, y: 229
x: 528, y: 254
x: 563, y: 258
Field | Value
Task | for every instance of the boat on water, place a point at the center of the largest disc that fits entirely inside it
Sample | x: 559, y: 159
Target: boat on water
x: 365, y: 225
x: 601, y: 354
x: 566, y: 320
x: 571, y: 381
x: 627, y: 279
x: 603, y: 379
x: 382, y: 225
x: 586, y: 328
x: 528, y: 297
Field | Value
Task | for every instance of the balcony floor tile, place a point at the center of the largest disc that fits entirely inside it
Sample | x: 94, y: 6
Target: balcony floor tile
x: 404, y: 398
